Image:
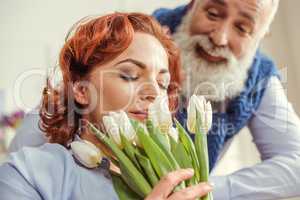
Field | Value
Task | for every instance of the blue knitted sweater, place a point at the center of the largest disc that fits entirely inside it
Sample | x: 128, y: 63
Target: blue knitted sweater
x: 240, y: 109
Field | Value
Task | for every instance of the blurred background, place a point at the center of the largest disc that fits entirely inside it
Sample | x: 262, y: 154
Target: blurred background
x: 33, y: 31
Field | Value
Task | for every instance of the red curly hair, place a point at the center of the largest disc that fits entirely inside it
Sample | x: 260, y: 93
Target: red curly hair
x: 95, y: 42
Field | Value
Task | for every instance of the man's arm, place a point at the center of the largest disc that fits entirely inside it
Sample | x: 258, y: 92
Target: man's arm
x: 276, y: 132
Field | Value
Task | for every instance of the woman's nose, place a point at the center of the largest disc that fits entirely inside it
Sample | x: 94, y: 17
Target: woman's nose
x: 149, y: 91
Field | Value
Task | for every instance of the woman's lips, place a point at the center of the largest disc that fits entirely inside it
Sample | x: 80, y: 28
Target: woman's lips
x: 203, y: 54
x: 139, y: 115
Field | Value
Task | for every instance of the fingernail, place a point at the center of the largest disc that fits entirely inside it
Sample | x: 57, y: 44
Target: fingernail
x: 211, y: 184
x: 190, y: 171
x: 207, y: 187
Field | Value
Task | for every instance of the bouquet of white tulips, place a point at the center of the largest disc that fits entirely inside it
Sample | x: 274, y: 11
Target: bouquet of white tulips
x: 145, y: 153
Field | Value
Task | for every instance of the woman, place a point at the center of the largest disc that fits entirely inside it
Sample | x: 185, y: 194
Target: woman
x: 110, y: 63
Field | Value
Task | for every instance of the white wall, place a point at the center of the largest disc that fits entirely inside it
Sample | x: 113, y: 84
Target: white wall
x: 32, y: 32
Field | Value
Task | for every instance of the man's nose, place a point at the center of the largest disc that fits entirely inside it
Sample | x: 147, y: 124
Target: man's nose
x: 220, y: 36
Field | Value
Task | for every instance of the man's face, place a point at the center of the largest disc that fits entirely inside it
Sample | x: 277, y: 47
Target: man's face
x: 235, y: 24
x: 218, y: 40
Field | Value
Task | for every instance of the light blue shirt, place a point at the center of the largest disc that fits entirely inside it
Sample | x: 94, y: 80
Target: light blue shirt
x: 49, y: 172
x: 275, y: 128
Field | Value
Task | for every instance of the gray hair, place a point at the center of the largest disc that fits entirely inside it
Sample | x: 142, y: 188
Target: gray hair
x: 266, y: 28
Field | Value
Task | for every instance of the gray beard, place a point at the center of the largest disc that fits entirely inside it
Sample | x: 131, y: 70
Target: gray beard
x: 216, y: 82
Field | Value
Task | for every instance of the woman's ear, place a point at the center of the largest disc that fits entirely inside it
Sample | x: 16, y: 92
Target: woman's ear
x: 81, y: 93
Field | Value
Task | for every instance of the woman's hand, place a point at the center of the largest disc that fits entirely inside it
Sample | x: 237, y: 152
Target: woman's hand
x: 163, y: 190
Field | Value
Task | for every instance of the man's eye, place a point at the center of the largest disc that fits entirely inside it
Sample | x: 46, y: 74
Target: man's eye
x: 127, y: 77
x: 213, y: 13
x: 243, y: 29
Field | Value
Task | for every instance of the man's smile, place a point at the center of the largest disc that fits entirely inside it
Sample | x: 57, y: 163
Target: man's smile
x: 208, y: 57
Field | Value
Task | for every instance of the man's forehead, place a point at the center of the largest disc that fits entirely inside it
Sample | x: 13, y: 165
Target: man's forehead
x: 251, y: 2
x: 255, y: 6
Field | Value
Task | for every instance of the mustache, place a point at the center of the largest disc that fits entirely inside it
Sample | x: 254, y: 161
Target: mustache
x: 204, y: 42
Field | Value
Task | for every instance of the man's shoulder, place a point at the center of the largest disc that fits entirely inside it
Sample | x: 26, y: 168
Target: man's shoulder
x: 170, y: 17
x: 263, y: 67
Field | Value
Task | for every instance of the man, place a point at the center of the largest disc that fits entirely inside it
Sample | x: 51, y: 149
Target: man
x: 219, y: 40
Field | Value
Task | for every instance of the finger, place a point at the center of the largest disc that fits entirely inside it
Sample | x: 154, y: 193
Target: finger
x: 170, y: 181
x: 192, y: 192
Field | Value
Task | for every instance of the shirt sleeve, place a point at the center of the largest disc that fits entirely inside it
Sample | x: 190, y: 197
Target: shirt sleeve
x: 46, y: 172
x: 275, y: 128
x: 14, y: 186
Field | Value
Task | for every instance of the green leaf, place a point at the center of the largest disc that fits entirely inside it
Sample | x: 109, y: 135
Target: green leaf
x: 159, y: 138
x: 163, y: 141
x: 124, y: 192
x: 135, y: 124
x: 133, y: 177
x: 159, y: 160
x: 201, y: 149
x: 190, y: 148
x: 148, y: 169
x: 130, y: 151
x: 182, y: 157
x: 202, y: 153
x: 184, y: 160
x: 150, y: 126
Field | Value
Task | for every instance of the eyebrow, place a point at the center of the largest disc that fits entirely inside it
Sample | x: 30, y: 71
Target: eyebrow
x: 220, y: 2
x: 248, y: 16
x: 136, y: 62
x: 140, y: 64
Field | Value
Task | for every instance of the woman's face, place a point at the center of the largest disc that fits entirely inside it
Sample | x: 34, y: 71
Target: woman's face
x: 131, y: 81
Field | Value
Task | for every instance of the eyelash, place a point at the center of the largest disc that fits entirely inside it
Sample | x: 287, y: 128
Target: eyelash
x: 212, y: 15
x: 242, y: 30
x: 128, y: 78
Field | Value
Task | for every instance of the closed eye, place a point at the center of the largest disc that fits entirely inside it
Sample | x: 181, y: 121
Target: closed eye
x: 128, y: 77
x: 244, y: 29
x: 213, y: 13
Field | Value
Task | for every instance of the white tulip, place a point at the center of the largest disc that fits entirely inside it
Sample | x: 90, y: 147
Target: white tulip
x: 116, y: 123
x: 126, y: 126
x: 174, y: 134
x: 86, y: 153
x: 112, y: 129
x: 204, y: 108
x: 160, y: 114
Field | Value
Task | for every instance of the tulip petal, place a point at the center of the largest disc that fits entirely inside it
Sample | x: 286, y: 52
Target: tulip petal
x: 86, y: 153
x: 112, y: 129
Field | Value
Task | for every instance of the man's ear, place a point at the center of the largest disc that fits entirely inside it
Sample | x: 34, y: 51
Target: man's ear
x: 81, y: 93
